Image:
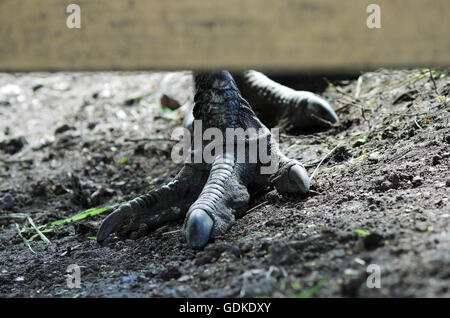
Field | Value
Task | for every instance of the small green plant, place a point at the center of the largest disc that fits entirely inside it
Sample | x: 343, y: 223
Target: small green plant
x: 296, y: 285
x: 362, y: 141
x: 362, y: 232
x: 83, y: 215
x: 25, y: 241
x: 40, y: 230
x: 41, y: 235
x: 170, y: 114
x: 308, y: 293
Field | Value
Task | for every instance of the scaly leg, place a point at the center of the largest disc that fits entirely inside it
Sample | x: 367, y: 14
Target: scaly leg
x: 223, y: 198
x: 212, y: 194
x: 168, y: 203
x: 273, y: 101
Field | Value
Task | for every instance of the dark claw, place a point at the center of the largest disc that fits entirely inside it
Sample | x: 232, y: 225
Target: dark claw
x: 319, y: 109
x: 293, y: 178
x: 198, y: 228
x: 111, y: 222
x: 299, y: 175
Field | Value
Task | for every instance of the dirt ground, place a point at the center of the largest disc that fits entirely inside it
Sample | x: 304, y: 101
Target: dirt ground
x: 73, y: 141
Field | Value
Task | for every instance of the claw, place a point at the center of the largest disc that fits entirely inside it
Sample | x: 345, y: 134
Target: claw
x: 198, y: 228
x: 111, y: 222
x: 299, y: 175
x: 319, y: 109
x: 293, y: 179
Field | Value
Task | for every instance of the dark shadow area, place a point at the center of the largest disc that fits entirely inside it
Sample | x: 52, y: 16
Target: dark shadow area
x: 316, y: 83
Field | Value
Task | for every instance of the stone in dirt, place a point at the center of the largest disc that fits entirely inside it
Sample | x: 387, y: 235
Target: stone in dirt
x: 63, y: 129
x: 7, y: 201
x: 169, y: 102
x: 13, y: 146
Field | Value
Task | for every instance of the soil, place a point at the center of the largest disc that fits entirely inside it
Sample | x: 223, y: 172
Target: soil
x: 73, y: 141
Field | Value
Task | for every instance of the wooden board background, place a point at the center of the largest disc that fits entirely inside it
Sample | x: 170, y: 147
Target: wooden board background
x: 282, y: 35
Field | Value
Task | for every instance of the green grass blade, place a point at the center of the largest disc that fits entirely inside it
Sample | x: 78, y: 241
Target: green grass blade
x: 41, y: 235
x: 362, y: 232
x: 25, y: 241
x: 80, y: 216
x: 83, y: 215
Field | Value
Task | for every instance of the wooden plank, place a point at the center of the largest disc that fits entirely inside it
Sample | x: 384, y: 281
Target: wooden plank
x: 287, y: 35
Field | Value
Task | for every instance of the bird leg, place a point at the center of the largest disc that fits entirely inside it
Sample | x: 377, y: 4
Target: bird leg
x: 211, y: 196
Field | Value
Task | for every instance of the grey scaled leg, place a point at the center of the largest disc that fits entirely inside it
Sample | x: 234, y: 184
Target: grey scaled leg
x: 273, y: 101
x: 223, y: 198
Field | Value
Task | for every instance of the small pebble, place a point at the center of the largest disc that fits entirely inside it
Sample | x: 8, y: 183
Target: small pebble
x: 7, y: 201
x: 421, y: 227
x: 417, y: 181
x: 339, y: 253
x: 374, y: 157
x: 63, y: 129
x: 386, y: 185
x: 436, y: 160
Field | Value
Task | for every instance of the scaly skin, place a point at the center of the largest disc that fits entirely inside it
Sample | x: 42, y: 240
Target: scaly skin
x: 210, y: 196
x: 273, y: 101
